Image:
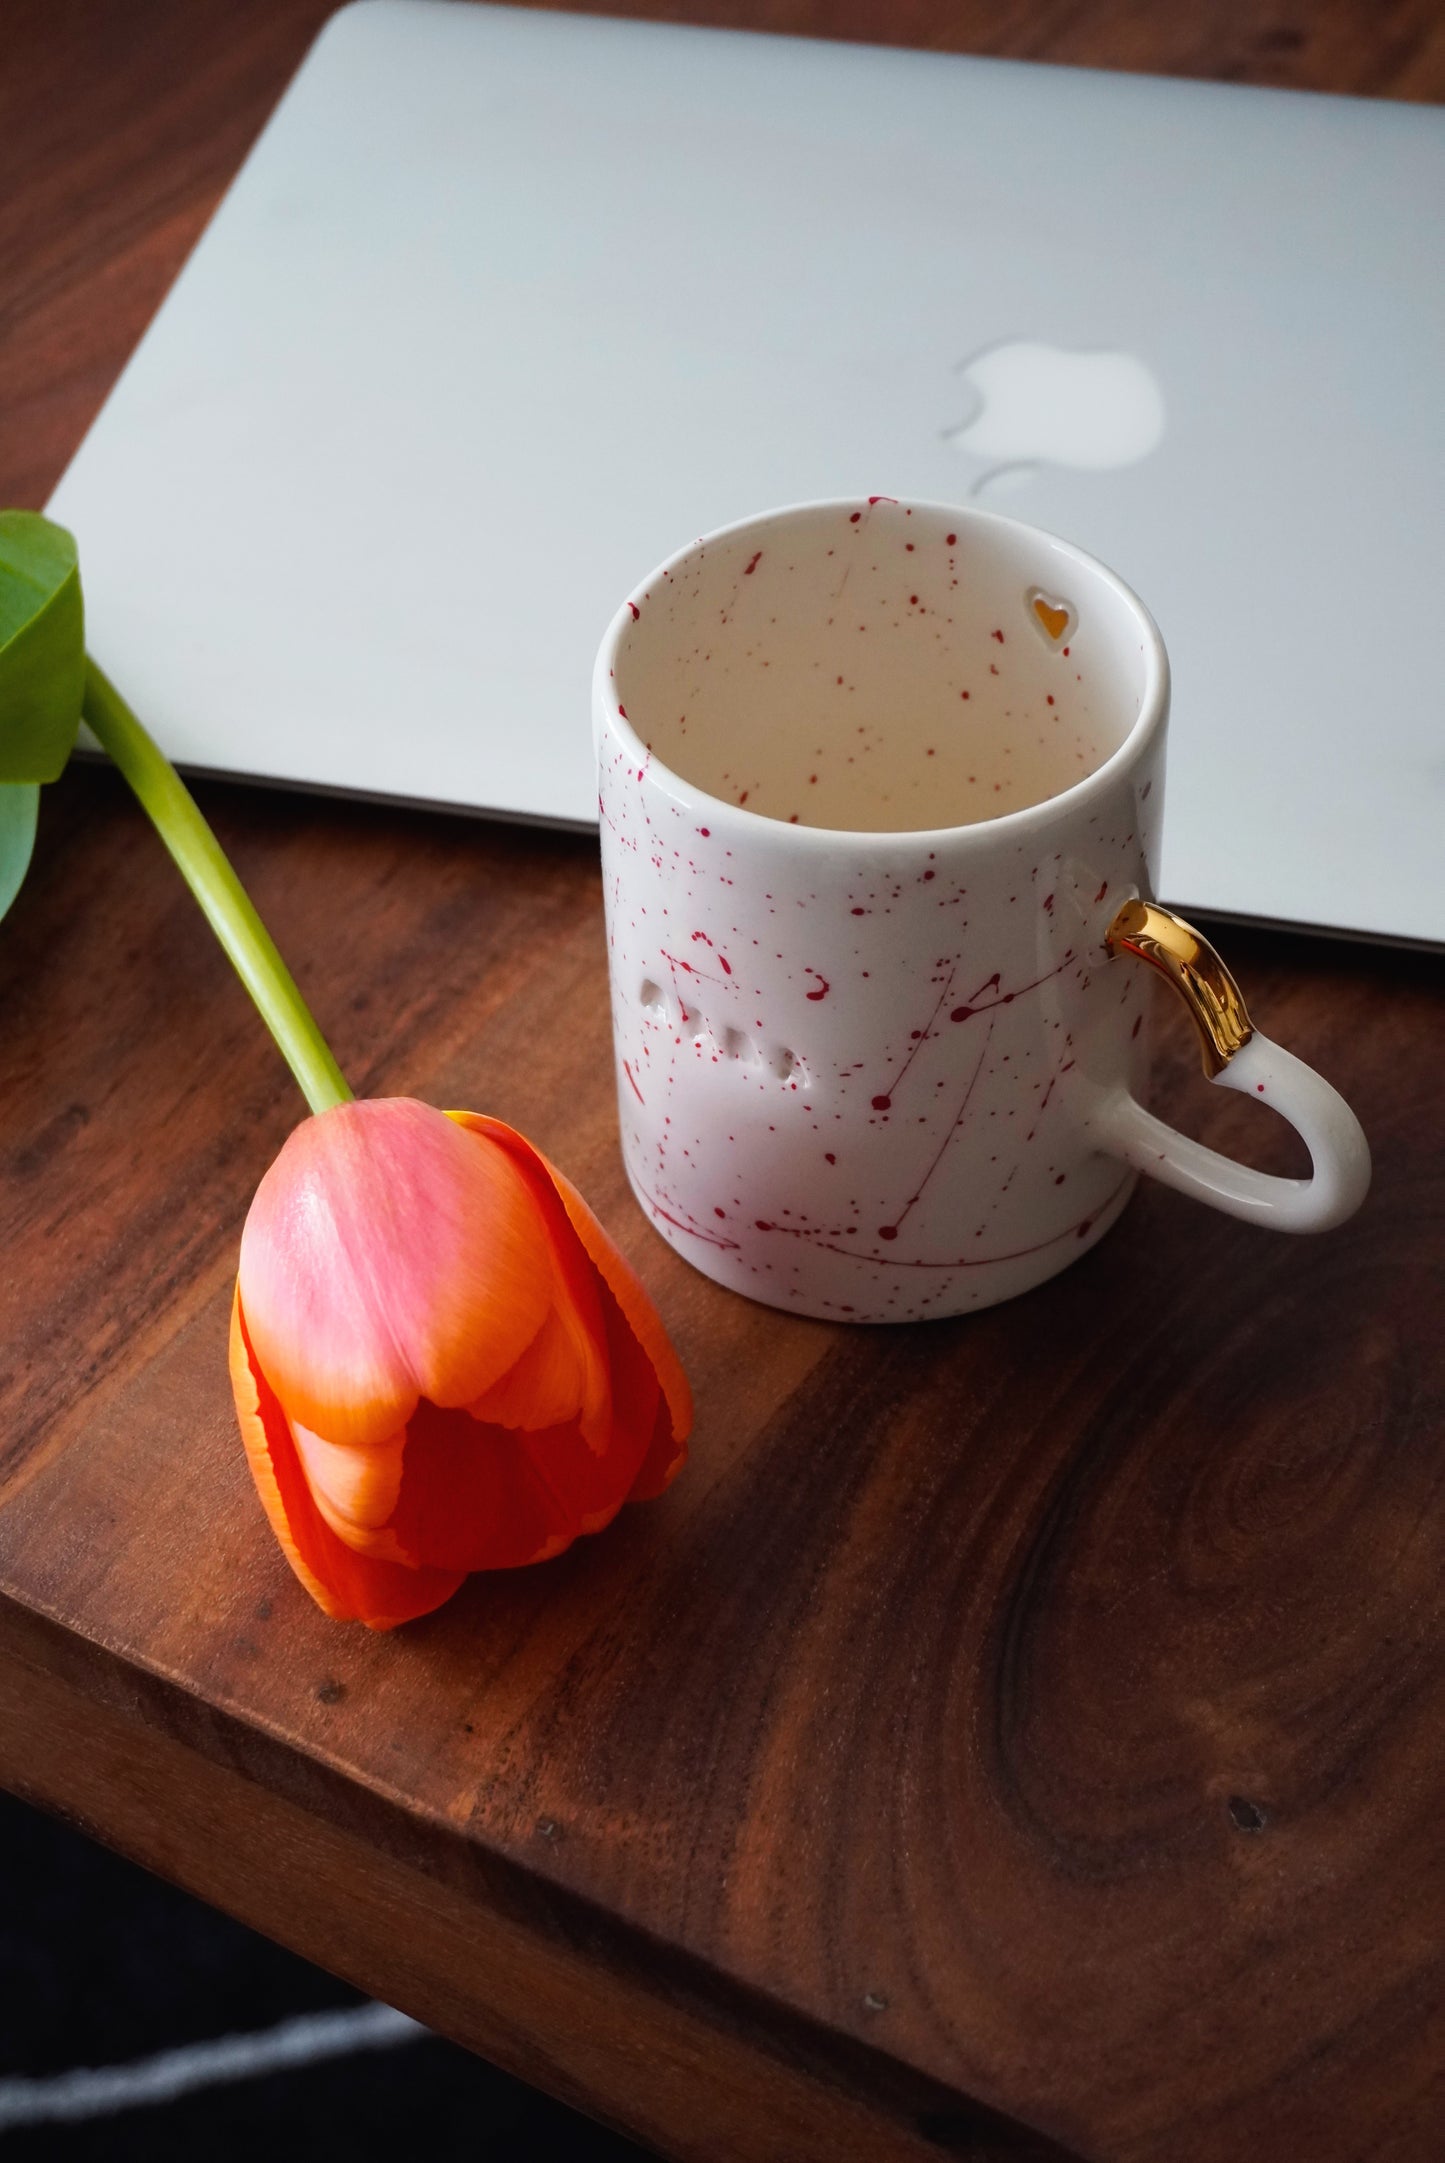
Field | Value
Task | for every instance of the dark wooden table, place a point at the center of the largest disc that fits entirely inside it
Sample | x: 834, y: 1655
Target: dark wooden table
x: 1012, y: 1737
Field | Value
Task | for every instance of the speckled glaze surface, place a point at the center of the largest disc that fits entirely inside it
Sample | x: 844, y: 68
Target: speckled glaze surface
x: 857, y: 1053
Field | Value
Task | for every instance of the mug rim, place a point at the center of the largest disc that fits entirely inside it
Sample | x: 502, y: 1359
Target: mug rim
x: 977, y: 833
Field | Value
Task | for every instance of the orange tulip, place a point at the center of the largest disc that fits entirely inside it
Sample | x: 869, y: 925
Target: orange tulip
x: 440, y: 1361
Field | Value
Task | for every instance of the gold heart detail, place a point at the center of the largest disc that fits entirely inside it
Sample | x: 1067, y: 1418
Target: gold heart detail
x: 1055, y: 617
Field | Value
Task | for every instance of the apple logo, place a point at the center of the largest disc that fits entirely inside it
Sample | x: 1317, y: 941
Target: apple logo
x: 1049, y: 405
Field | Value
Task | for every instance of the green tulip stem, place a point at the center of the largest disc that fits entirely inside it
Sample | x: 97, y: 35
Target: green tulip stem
x: 172, y: 810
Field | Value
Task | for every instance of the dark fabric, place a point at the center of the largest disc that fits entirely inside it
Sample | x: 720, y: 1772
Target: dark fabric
x: 100, y: 1963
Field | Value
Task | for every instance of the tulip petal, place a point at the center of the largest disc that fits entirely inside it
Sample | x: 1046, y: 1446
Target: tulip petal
x: 580, y: 1301
x: 355, y: 1489
x: 585, y: 1457
x: 472, y: 1498
x: 349, y: 1586
x: 666, y: 1456
x: 575, y: 1340
x: 546, y: 1386
x: 633, y: 1319
x: 638, y: 1313
x: 386, y: 1258
x: 595, y: 1482
x: 642, y: 1409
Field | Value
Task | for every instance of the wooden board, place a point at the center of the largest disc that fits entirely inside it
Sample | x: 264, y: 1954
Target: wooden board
x: 1012, y: 1736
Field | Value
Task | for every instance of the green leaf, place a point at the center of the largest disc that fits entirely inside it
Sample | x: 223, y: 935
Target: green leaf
x: 18, y: 805
x: 42, y: 649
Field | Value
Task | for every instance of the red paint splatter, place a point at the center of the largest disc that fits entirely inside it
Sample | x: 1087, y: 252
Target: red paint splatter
x: 921, y: 1036
x: 882, y: 1104
x: 1260, y: 1087
x: 977, y: 1004
x: 1138, y: 1025
x: 963, y: 694
x: 858, y: 912
x: 882, y: 499
x: 992, y: 983
x: 930, y: 874
x: 951, y: 539
x: 1051, y: 698
x: 706, y: 832
x: 1048, y: 904
x: 723, y: 962
x: 632, y: 1078
x: 718, y: 1212
x: 998, y: 635
x: 1102, y: 891
x: 854, y: 518
x: 823, y: 986
x: 636, y: 611
x: 623, y: 711
x: 828, y: 1157
x: 749, y: 568
x: 986, y: 1261
x: 694, y: 1231
x: 888, y: 1231
x: 917, y: 1194
x: 913, y: 600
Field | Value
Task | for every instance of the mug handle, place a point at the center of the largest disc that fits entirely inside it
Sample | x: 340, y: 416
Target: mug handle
x: 1237, y: 1057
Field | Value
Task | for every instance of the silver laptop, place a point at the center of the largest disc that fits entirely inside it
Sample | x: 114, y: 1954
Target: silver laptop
x: 504, y: 307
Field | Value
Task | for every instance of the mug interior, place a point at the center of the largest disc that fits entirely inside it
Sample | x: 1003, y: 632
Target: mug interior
x: 883, y: 667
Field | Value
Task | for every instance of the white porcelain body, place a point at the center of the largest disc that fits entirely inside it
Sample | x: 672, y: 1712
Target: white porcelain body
x: 871, y: 1075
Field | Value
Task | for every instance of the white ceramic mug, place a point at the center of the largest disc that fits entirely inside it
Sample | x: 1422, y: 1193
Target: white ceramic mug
x: 880, y: 790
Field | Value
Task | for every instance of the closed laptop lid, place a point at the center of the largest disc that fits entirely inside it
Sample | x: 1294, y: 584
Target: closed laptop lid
x: 504, y: 307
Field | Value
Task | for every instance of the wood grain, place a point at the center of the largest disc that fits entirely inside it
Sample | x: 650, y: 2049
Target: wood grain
x: 1014, y: 1736
x: 529, y: 1999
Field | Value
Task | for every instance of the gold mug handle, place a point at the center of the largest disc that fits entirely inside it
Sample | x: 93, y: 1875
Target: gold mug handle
x: 1185, y: 958
x: 1236, y: 1056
